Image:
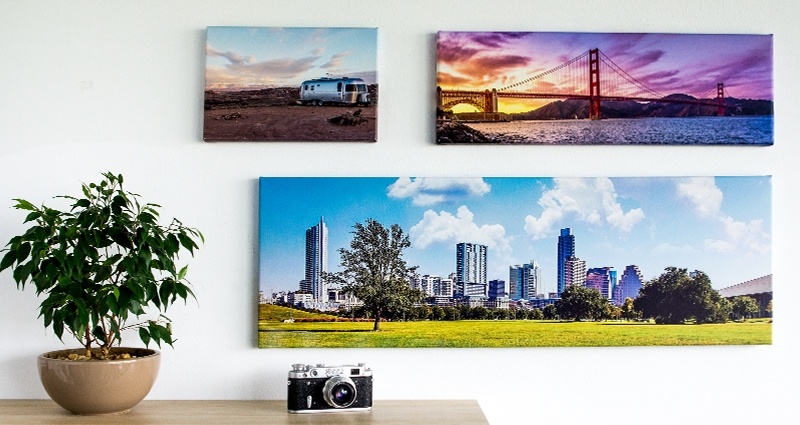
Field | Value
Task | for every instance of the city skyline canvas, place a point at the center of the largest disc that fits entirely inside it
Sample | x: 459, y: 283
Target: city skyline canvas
x: 290, y: 84
x: 720, y: 226
x: 604, y: 88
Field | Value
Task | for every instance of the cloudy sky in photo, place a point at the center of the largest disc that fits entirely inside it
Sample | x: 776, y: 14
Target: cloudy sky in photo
x: 720, y: 225
x: 690, y: 64
x: 258, y: 57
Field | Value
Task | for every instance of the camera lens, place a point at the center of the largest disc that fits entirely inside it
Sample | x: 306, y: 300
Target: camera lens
x: 339, y: 392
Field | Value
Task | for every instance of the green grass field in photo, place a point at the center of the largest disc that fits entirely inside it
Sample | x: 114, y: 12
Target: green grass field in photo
x: 501, y: 333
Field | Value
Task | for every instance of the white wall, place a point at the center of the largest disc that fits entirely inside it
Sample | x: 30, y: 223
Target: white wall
x: 87, y: 86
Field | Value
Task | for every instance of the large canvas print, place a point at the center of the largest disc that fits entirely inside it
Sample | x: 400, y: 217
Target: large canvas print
x: 604, y: 88
x: 290, y: 84
x: 514, y: 262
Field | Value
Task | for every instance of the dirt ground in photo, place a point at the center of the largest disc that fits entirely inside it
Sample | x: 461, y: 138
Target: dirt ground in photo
x: 288, y: 123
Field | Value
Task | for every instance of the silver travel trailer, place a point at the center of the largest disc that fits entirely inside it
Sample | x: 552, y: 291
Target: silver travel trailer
x: 339, y: 91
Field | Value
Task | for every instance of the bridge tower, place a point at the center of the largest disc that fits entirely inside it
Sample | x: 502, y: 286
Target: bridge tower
x: 720, y: 100
x: 490, y: 101
x: 594, y: 84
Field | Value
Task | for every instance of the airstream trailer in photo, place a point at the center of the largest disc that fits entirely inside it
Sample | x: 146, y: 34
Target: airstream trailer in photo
x: 339, y: 91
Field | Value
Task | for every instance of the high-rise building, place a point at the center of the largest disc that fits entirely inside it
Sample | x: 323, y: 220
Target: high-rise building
x: 446, y: 286
x: 428, y: 284
x: 574, y: 272
x: 630, y: 283
x: 524, y: 280
x: 600, y: 278
x: 316, y: 261
x: 614, y: 283
x: 566, y: 249
x: 471, y: 270
x: 497, y: 289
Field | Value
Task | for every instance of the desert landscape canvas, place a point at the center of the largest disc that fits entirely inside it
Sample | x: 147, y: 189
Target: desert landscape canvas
x: 514, y: 262
x: 290, y: 84
x: 604, y: 88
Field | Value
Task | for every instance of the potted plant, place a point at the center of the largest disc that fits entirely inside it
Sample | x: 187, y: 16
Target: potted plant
x: 99, y: 266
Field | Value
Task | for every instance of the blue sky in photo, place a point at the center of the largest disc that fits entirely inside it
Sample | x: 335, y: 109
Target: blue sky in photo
x: 259, y: 57
x: 720, y: 225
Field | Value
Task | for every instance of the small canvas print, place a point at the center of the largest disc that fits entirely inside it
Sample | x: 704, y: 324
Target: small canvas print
x: 514, y: 262
x: 291, y: 84
x: 546, y: 88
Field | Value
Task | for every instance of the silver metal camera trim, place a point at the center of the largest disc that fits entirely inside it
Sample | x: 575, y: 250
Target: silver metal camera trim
x: 301, y: 371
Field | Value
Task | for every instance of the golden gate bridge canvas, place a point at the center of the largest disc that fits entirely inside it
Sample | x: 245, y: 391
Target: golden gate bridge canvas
x: 514, y: 261
x: 604, y: 88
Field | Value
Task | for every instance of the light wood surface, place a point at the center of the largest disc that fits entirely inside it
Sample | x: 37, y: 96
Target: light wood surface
x: 217, y: 412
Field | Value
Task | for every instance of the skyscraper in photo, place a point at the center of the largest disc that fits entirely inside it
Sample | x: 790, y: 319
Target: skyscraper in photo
x: 566, y: 249
x: 497, y: 289
x: 471, y: 278
x: 630, y: 283
x: 316, y: 261
x: 524, y: 280
x: 602, y: 279
x: 574, y: 272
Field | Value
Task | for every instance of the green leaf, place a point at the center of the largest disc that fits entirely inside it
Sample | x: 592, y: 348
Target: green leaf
x: 22, y: 272
x: 144, y: 335
x: 99, y: 334
x: 32, y: 216
x: 8, y: 259
x: 167, y: 289
x: 24, y: 205
x: 182, y: 272
x: 23, y: 251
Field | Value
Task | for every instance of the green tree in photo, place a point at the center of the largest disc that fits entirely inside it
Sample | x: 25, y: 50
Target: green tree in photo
x: 550, y: 312
x: 723, y: 311
x: 676, y: 297
x: 375, y: 272
x: 744, y: 307
x: 580, y: 303
x: 627, y: 311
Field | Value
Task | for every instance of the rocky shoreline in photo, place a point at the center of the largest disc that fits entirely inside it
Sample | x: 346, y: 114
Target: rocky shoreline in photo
x: 449, y: 132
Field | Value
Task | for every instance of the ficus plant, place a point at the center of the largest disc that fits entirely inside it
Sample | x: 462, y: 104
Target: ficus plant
x: 101, y: 264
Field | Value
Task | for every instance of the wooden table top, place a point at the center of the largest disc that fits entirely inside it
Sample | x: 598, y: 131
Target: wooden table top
x: 224, y: 412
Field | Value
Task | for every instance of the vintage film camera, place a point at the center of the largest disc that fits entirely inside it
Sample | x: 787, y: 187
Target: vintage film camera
x: 320, y: 388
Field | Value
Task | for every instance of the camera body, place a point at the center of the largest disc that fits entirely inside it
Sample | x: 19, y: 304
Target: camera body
x: 321, y: 388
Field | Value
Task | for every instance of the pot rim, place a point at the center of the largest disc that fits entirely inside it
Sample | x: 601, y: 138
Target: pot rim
x: 148, y: 353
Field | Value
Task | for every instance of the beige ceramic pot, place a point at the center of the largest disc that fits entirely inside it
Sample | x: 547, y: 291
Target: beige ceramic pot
x: 99, y: 387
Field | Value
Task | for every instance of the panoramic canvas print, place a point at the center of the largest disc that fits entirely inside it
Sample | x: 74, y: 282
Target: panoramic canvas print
x: 514, y: 262
x: 290, y: 84
x: 604, y: 88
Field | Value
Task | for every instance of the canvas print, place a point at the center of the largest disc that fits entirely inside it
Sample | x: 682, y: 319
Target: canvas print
x: 514, y: 262
x: 290, y: 84
x: 604, y: 88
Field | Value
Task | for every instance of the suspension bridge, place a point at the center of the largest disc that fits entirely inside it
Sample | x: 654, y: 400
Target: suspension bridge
x: 591, y: 76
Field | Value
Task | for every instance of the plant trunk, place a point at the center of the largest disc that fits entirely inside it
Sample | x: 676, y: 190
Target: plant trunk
x: 88, y: 345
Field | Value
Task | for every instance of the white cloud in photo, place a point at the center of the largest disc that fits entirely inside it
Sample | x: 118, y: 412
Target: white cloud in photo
x: 243, y: 71
x: 706, y: 199
x: 426, y: 191
x: 232, y: 57
x: 592, y: 200
x: 446, y: 228
x: 703, y: 194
